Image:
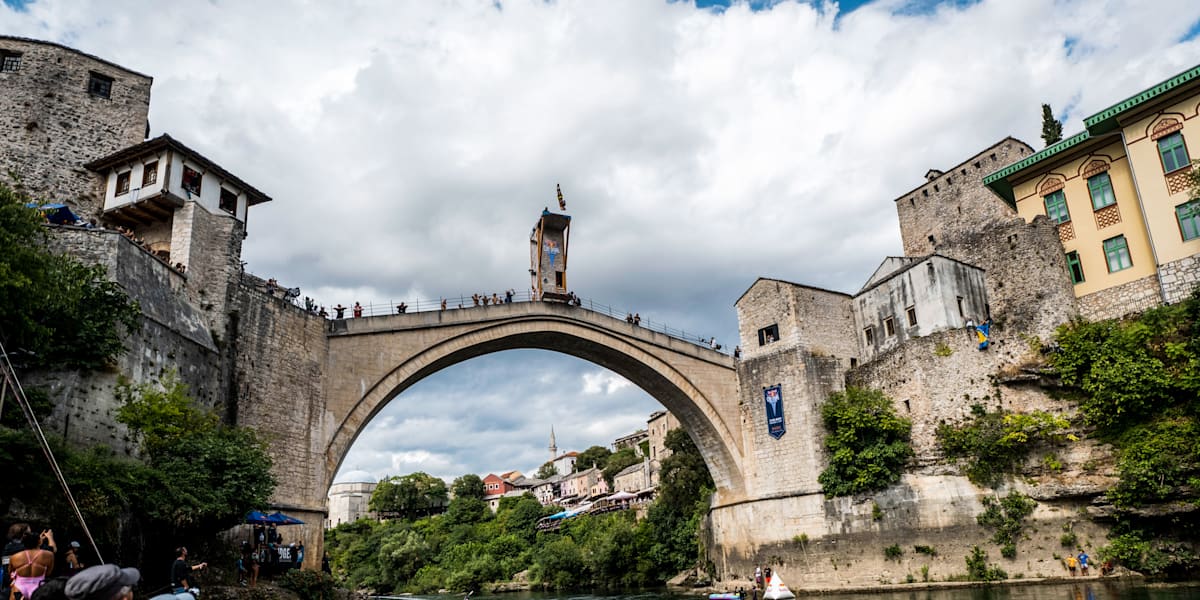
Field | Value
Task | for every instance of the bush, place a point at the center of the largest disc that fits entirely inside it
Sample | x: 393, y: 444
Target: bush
x: 1006, y: 517
x: 868, y: 443
x: 309, y: 585
x: 893, y: 552
x: 979, y: 570
x: 926, y: 550
x: 1068, y: 540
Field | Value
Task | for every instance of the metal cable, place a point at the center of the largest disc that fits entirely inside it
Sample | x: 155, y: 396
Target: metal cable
x: 10, y: 380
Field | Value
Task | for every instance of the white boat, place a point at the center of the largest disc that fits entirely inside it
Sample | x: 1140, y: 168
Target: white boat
x: 777, y: 589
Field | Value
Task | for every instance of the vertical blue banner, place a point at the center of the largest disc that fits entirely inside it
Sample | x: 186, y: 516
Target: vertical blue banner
x: 773, y: 398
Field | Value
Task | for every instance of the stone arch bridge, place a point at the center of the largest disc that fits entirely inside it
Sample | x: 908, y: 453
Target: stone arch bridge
x: 372, y: 360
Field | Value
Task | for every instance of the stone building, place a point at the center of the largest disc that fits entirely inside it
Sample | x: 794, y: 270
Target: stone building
x: 60, y: 109
x: 657, y: 426
x: 349, y: 499
x: 1129, y: 171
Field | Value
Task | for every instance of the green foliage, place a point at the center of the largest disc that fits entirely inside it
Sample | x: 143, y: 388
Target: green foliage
x: 893, y: 552
x: 546, y: 471
x: 978, y: 568
x: 53, y: 308
x: 1155, y: 459
x: 596, y: 456
x: 625, y: 457
x: 925, y: 573
x: 466, y: 548
x: 1150, y: 554
x: 1006, y: 517
x: 308, y: 585
x: 868, y: 443
x: 942, y: 350
x: 468, y: 486
x: 876, y: 512
x: 1051, y: 127
x: 926, y: 550
x: 1131, y: 371
x: 409, y: 497
x: 996, y: 443
x: 1068, y: 540
x: 203, y: 476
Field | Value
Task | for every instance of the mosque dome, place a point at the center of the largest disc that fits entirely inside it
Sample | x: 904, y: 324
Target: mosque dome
x: 356, y: 476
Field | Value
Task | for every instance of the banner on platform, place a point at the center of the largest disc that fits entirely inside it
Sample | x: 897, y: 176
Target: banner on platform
x: 773, y: 398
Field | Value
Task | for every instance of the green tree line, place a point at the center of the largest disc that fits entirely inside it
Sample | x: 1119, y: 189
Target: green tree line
x: 467, y: 546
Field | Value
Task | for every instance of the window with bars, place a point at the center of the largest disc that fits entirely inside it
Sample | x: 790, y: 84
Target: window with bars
x: 123, y: 183
x: 1075, y: 267
x: 1116, y: 250
x: 10, y: 62
x: 1173, y: 152
x: 889, y: 325
x: 870, y: 335
x: 100, y: 85
x: 1056, y: 207
x: 1189, y: 219
x: 1100, y: 187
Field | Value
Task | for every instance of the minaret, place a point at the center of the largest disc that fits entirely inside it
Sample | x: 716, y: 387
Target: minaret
x: 553, y: 446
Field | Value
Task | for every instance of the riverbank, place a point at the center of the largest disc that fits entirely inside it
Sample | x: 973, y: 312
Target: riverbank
x: 801, y: 590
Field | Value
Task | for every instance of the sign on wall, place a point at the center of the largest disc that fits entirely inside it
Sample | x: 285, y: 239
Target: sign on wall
x: 773, y: 398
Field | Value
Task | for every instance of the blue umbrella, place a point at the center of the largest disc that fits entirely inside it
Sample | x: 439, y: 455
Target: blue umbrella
x: 258, y: 518
x: 279, y: 518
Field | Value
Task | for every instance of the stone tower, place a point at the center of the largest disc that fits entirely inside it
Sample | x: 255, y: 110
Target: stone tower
x: 553, y: 445
x: 62, y: 108
x: 548, y: 254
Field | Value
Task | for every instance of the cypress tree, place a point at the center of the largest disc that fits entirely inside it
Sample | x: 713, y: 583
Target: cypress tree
x: 1051, y: 128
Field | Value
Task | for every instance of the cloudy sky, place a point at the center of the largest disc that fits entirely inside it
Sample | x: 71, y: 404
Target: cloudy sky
x: 409, y: 147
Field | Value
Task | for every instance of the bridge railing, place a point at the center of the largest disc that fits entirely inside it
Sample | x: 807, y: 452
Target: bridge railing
x: 376, y: 309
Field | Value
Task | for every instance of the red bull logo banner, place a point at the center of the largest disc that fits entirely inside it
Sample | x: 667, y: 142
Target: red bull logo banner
x: 773, y: 398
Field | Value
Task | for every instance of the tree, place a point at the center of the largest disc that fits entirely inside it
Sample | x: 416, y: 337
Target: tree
x: 868, y: 443
x: 625, y: 457
x: 547, y: 471
x: 670, y: 530
x: 54, y: 309
x: 596, y: 456
x: 468, y: 486
x: 1051, y: 127
x: 203, y: 476
x: 409, y: 497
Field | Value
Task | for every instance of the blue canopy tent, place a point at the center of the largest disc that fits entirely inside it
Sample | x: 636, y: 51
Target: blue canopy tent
x: 279, y: 518
x: 255, y: 517
x: 58, y: 214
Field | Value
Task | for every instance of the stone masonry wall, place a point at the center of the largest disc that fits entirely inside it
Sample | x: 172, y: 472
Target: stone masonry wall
x: 277, y: 384
x: 210, y: 246
x: 1119, y: 301
x: 50, y: 125
x: 815, y: 319
x: 956, y: 202
x: 173, y: 335
x: 937, y: 378
x: 1180, y: 278
x: 791, y: 464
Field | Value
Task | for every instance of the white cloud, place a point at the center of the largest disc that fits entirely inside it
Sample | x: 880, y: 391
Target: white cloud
x: 603, y: 382
x: 409, y: 147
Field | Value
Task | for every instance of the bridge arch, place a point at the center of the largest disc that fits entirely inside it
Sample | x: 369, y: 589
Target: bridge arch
x: 386, y: 355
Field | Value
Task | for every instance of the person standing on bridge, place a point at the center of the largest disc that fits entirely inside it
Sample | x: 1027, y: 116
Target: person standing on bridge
x: 401, y: 308
x: 340, y: 310
x: 357, y: 310
x: 495, y: 299
x: 508, y: 295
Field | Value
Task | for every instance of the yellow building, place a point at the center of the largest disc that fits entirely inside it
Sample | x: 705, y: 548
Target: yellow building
x: 1119, y: 192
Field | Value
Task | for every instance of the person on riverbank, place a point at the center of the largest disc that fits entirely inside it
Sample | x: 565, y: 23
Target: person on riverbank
x: 758, y: 580
x: 72, y: 559
x: 181, y: 573
x: 32, y: 564
x: 1083, y: 562
x: 12, y: 545
x: 1072, y: 563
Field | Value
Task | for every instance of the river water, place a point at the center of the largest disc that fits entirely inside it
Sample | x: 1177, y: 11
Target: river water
x: 1092, y: 590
